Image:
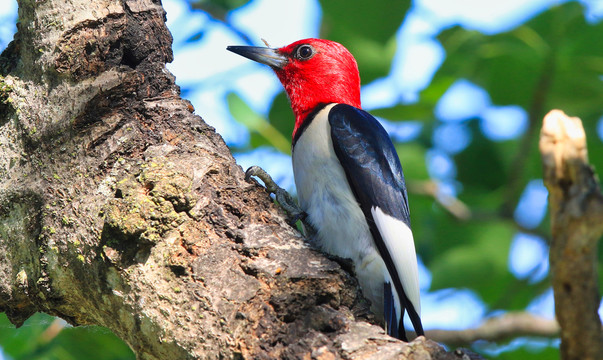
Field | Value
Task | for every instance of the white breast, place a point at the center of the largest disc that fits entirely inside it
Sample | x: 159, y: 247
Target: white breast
x: 325, y: 195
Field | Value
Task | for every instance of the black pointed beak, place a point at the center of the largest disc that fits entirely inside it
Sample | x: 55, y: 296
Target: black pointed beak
x: 263, y: 55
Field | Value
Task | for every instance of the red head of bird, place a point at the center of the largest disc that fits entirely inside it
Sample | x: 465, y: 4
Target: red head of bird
x: 312, y: 71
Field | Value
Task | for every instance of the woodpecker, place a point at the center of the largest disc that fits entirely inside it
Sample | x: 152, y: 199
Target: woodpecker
x: 348, y: 175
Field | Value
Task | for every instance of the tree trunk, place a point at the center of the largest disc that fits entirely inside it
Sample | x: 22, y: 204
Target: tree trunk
x: 119, y: 207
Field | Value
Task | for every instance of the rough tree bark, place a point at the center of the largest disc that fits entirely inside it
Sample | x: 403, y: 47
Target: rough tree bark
x: 119, y: 207
x: 576, y: 208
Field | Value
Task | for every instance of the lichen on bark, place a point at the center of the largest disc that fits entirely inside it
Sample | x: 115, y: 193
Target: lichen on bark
x: 147, y: 204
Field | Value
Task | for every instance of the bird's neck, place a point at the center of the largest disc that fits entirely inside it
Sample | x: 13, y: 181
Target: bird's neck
x: 301, y: 117
x: 302, y: 120
x: 323, y: 86
x: 304, y: 104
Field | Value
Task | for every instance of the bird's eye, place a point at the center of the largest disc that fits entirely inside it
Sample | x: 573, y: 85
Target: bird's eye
x: 304, y: 52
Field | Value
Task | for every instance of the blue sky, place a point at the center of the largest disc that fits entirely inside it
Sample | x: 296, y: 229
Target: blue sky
x: 207, y: 72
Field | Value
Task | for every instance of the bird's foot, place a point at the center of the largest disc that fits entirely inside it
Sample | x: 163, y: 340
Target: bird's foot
x: 281, y: 195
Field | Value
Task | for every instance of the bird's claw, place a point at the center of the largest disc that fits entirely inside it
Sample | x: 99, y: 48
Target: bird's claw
x: 281, y: 195
x: 260, y: 173
x: 301, y: 216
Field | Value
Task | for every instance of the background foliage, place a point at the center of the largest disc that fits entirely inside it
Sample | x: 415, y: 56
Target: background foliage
x: 496, y: 254
x: 551, y: 61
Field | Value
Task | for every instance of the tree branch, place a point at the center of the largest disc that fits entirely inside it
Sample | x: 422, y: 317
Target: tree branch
x: 452, y: 204
x: 576, y: 208
x: 515, y: 185
x: 500, y: 328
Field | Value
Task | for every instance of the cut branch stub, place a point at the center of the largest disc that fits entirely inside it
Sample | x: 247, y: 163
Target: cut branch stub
x: 562, y: 144
x: 576, y: 208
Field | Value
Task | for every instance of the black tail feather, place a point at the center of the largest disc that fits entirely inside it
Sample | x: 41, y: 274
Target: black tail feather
x: 394, y: 327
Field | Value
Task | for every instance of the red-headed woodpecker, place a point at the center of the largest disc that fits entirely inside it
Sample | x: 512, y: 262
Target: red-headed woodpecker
x: 348, y: 176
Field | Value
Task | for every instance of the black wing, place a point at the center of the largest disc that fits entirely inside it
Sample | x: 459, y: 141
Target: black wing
x: 373, y: 170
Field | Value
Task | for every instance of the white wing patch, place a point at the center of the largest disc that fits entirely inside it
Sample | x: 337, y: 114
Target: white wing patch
x: 399, y: 241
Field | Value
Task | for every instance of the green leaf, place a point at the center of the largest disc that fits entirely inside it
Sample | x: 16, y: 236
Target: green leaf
x: 478, y: 262
x: 84, y: 342
x: 42, y: 338
x: 257, y: 124
x: 218, y: 8
x: 18, y: 342
x: 480, y: 165
x: 411, y: 112
x: 531, y: 352
x: 503, y: 64
x: 412, y: 158
x: 367, y: 29
x: 552, y: 61
x: 281, y: 115
x: 196, y: 37
x: 374, y: 20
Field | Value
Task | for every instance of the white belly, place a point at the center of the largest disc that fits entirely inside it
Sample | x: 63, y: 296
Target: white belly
x: 325, y: 195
